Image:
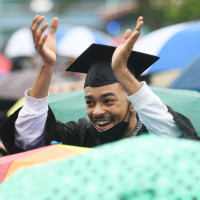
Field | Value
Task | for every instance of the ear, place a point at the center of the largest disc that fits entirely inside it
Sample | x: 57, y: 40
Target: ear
x: 132, y: 108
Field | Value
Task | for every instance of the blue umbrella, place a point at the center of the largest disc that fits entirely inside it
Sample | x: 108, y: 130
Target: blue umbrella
x: 189, y: 77
x: 74, y: 40
x: 176, y: 45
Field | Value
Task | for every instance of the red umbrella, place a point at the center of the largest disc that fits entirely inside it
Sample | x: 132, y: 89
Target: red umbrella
x: 5, y: 65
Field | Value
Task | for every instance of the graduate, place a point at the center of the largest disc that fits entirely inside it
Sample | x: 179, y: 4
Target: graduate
x: 118, y: 105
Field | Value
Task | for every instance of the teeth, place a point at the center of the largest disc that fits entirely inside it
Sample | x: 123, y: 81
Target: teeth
x: 102, y: 122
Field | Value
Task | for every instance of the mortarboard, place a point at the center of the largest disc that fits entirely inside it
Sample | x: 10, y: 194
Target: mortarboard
x: 95, y: 61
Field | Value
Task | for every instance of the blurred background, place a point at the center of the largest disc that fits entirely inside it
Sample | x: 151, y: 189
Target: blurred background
x: 171, y: 31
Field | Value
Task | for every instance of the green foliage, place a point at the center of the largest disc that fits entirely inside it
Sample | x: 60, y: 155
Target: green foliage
x: 159, y: 13
x: 63, y: 4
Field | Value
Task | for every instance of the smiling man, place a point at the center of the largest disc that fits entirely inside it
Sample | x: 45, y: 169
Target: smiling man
x: 108, y: 109
x: 118, y: 105
x: 106, y: 106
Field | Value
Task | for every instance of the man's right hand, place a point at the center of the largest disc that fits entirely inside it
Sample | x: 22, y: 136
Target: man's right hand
x: 45, y: 44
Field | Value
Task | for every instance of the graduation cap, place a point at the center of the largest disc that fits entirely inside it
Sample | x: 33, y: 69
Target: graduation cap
x: 96, y: 60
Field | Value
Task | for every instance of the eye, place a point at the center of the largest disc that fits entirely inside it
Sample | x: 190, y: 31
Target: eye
x: 90, y: 103
x: 108, y: 101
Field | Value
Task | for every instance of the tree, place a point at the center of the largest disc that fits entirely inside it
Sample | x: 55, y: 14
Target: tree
x: 159, y: 13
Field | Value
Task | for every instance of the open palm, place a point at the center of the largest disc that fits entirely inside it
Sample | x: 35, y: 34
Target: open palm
x: 45, y: 44
x: 123, y: 51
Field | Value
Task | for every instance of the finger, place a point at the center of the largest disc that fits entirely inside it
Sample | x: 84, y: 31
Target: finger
x: 134, y: 38
x: 42, y: 41
x: 36, y: 25
x: 34, y: 20
x: 54, y: 25
x: 40, y: 33
x: 131, y: 41
x: 126, y: 35
x: 140, y: 19
x: 139, y: 24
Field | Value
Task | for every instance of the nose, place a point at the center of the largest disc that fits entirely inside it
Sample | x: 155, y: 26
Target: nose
x: 98, y: 110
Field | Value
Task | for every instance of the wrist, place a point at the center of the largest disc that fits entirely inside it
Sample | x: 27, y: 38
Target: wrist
x: 121, y: 72
x: 127, y: 81
x: 48, y: 64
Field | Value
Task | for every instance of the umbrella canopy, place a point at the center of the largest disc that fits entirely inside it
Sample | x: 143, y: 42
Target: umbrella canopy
x: 9, y: 164
x: 72, y: 106
x: 146, y: 167
x: 5, y: 65
x: 14, y: 84
x: 20, y: 44
x: 189, y: 77
x: 176, y: 45
x: 73, y: 41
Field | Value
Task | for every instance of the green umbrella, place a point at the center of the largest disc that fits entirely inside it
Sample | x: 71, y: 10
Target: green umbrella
x: 71, y: 106
x: 146, y: 167
x: 143, y: 168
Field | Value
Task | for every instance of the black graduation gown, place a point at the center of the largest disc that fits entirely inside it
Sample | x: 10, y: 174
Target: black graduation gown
x: 79, y: 133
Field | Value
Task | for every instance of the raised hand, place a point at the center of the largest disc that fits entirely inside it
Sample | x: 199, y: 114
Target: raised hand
x: 45, y: 44
x: 120, y: 58
x: 122, y: 52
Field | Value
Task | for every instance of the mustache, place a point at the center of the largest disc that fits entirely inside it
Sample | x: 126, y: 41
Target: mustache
x: 98, y: 117
x: 102, y: 117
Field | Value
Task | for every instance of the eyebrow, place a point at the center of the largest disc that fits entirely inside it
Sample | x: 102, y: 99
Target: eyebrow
x: 108, y: 94
x: 103, y: 96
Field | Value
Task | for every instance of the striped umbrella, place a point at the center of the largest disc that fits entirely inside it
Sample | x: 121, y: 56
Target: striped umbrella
x: 176, y: 45
x: 10, y: 164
